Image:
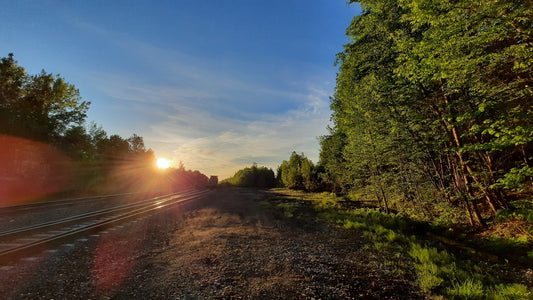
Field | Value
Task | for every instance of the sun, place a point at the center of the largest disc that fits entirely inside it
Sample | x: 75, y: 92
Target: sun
x: 163, y: 163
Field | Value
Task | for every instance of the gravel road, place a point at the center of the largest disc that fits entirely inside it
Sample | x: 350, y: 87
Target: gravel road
x: 227, y: 245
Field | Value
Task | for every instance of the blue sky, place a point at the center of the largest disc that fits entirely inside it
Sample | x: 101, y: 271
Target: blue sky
x: 217, y: 84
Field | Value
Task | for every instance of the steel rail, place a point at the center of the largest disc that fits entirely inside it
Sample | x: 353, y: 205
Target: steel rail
x: 65, y: 202
x: 62, y: 202
x: 10, y: 254
x: 88, y: 215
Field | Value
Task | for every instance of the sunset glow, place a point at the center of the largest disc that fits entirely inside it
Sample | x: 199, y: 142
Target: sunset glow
x: 163, y: 163
x: 182, y: 97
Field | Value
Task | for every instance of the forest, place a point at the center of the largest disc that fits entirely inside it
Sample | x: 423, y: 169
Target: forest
x: 49, y: 149
x: 432, y: 112
x: 430, y: 148
x: 431, y: 118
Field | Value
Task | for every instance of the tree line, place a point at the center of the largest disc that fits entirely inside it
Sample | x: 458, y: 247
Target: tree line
x: 42, y: 113
x: 432, y: 111
x: 298, y: 172
x: 254, y: 176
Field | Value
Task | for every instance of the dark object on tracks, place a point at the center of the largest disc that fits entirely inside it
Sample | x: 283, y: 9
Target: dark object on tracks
x: 213, y: 181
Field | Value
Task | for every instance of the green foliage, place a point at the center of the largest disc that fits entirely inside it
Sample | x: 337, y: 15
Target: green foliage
x: 515, y: 179
x: 526, y: 214
x: 511, y: 291
x: 427, y: 277
x: 325, y: 201
x: 433, y: 266
x: 432, y: 107
x: 468, y: 289
x: 288, y: 208
x: 299, y: 173
x: 437, y: 270
x: 258, y: 177
x: 473, y: 289
x: 333, y: 161
x: 41, y: 107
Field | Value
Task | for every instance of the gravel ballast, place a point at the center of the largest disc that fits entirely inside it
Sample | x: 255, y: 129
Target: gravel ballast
x: 226, y: 245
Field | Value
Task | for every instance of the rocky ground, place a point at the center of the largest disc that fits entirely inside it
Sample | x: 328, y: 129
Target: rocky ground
x: 227, y: 245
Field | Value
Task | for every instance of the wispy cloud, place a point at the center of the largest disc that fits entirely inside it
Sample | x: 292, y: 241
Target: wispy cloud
x: 222, y: 145
x: 212, y: 119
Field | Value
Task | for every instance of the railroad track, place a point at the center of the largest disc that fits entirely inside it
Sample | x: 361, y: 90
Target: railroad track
x: 64, y: 203
x: 23, y: 241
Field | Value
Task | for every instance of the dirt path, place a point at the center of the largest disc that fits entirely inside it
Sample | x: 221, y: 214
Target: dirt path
x: 226, y: 246
x: 232, y: 247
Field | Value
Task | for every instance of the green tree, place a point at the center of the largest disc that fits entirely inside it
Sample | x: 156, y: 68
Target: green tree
x: 42, y: 107
x: 291, y: 175
x: 46, y: 108
x: 335, y: 174
x: 474, y: 62
x: 299, y: 173
x: 433, y: 105
x: 258, y: 177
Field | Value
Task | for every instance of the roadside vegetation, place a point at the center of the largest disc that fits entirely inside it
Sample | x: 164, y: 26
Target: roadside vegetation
x: 432, y: 109
x: 432, y: 119
x: 429, y: 155
x: 445, y: 264
x: 49, y: 149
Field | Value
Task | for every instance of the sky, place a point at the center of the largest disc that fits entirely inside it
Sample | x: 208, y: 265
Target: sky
x: 216, y: 84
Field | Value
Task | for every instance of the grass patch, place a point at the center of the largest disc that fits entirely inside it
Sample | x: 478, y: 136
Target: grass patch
x: 468, y: 289
x: 511, y: 291
x: 288, y: 208
x: 439, y: 272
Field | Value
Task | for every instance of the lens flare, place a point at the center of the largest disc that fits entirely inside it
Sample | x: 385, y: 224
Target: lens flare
x: 163, y: 163
x: 29, y: 170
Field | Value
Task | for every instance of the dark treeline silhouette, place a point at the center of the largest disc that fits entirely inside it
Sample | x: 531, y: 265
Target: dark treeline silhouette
x: 47, y: 147
x: 179, y: 178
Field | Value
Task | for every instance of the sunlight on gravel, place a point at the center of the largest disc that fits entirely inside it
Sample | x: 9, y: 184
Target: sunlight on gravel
x: 233, y: 248
x: 228, y: 245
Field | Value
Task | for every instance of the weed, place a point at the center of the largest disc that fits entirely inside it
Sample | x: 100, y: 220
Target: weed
x: 349, y: 224
x: 430, y: 262
x: 427, y: 277
x: 325, y: 201
x: 379, y: 246
x: 511, y: 291
x: 438, y: 272
x: 468, y: 289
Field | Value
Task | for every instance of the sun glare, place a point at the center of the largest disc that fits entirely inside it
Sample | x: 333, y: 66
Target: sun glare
x: 163, y: 163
